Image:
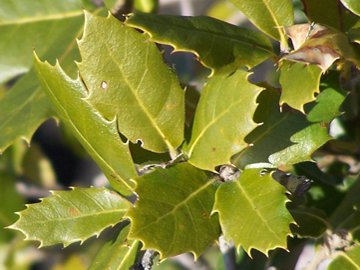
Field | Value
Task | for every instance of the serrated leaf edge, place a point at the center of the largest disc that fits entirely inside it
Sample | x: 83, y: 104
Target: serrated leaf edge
x: 266, y: 251
x: 153, y: 247
x: 57, y: 66
x: 65, y: 244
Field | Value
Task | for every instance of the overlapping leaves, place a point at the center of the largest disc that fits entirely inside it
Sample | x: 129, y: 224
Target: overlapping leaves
x: 285, y: 138
x: 172, y: 214
x: 98, y: 136
x: 252, y: 212
x: 268, y: 15
x: 37, y: 24
x: 50, y: 28
x: 216, y: 43
x: 117, y: 254
x: 60, y: 218
x: 128, y: 81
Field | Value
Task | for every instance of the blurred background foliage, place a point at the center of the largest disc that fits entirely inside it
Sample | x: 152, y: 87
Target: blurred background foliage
x: 56, y: 160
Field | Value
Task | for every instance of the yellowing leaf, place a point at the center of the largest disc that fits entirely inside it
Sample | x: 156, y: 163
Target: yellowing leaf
x: 129, y: 83
x: 172, y: 214
x: 252, y: 212
x: 71, y: 216
x: 319, y: 45
x: 224, y: 116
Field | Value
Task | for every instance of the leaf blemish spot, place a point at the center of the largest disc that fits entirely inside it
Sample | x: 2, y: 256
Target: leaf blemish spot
x: 104, y: 85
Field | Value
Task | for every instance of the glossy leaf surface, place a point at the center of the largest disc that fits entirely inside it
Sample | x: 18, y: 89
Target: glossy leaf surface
x: 252, y: 212
x: 352, y: 5
x: 307, y: 84
x: 119, y: 254
x: 99, y: 136
x: 172, y: 215
x: 71, y: 216
x: 215, y: 42
x: 47, y: 26
x: 268, y: 15
x: 328, y: 102
x: 224, y: 116
x: 287, y: 137
x: 129, y: 83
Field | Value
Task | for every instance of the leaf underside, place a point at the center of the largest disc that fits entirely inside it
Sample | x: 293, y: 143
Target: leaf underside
x: 252, y: 212
x: 71, y: 216
x: 172, y: 214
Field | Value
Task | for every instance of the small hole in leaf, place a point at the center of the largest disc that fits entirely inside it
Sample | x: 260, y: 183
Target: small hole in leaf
x: 104, y: 85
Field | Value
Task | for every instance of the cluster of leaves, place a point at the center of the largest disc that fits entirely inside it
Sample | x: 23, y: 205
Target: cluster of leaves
x: 121, y: 93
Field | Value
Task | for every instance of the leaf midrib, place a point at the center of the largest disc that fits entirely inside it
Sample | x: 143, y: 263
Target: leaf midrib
x: 61, y: 219
x: 50, y: 17
x: 177, y: 206
x: 138, y: 99
x: 70, y: 121
x: 232, y: 38
x: 256, y: 210
x: 211, y: 123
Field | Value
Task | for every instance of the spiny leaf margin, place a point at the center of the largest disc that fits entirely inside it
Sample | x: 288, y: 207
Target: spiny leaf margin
x: 49, y: 209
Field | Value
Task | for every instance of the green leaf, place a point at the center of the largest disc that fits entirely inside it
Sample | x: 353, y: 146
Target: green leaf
x: 129, y: 83
x: 172, y: 215
x: 347, y: 209
x: 310, y: 222
x: 252, y: 212
x: 336, y: 15
x: 349, y: 260
x: 118, y: 254
x: 22, y: 110
x: 71, y: 216
x: 11, y: 201
x: 215, y: 42
x: 328, y: 102
x: 307, y: 83
x: 268, y: 16
x: 287, y: 137
x: 305, y: 142
x: 25, y: 106
x: 99, y: 136
x: 224, y: 116
x: 48, y: 26
x: 352, y: 5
